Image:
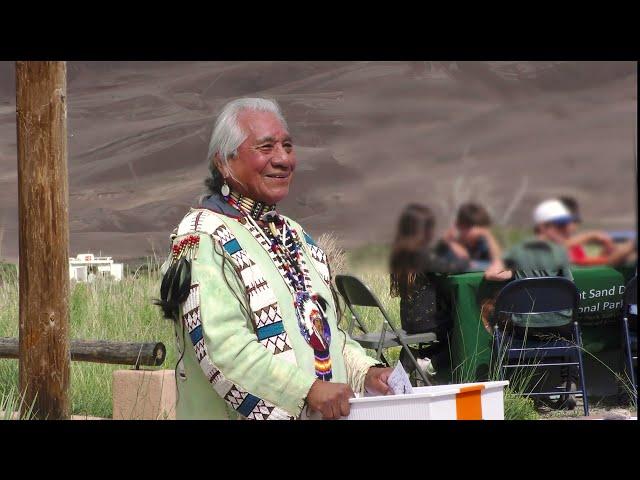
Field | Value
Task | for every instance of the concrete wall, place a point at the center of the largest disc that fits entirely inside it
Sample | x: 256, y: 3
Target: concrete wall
x: 144, y: 395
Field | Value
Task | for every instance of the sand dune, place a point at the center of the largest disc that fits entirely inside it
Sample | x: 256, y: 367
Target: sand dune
x: 370, y: 136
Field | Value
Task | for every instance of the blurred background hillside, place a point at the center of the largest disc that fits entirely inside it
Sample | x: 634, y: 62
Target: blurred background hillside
x: 370, y: 136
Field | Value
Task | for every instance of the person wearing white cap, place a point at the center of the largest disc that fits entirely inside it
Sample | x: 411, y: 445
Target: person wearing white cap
x: 544, y: 255
x: 552, y: 211
x: 551, y: 220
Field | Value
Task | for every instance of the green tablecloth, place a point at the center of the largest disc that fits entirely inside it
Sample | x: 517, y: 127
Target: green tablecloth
x: 600, y: 305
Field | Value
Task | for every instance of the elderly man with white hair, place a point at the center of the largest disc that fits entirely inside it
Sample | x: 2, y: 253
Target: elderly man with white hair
x: 250, y: 292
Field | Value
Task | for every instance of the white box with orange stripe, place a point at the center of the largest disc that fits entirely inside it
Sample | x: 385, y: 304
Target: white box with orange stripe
x: 463, y: 401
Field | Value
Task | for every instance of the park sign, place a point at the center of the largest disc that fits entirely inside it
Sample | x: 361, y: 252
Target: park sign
x: 608, y: 299
x: 601, y: 294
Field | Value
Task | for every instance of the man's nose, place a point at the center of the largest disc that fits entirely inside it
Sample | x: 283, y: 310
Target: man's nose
x: 280, y: 156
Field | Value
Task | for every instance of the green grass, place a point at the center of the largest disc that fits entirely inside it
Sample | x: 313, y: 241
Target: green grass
x: 7, y: 270
x: 124, y: 311
x: 518, y: 407
x: 369, y: 258
x: 509, y: 236
x: 11, y: 403
x: 102, y: 310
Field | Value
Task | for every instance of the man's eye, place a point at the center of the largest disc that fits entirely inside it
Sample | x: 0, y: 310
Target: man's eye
x: 266, y: 147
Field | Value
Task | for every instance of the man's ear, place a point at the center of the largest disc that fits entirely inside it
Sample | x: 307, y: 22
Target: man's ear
x: 220, y: 166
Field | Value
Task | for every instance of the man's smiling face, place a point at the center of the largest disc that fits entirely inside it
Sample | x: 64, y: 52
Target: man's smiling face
x: 266, y: 160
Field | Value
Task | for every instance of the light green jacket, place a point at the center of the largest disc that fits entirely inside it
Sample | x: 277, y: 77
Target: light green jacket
x: 233, y: 352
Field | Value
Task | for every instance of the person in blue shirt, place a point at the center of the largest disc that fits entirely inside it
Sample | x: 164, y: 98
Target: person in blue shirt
x: 471, y: 238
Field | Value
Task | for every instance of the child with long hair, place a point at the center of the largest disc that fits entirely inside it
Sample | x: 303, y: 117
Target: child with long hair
x: 414, y: 265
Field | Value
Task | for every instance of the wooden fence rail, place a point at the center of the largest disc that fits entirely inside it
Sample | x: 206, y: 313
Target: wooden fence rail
x: 102, y: 351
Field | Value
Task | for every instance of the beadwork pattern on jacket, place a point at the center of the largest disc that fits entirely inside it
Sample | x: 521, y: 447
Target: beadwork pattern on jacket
x: 319, y: 258
x: 267, y: 318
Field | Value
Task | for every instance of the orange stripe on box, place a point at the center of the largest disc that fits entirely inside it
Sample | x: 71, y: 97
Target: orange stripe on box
x: 469, y: 403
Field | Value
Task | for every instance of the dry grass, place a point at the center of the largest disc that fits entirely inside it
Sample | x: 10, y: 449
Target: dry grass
x: 337, y: 257
x: 482, y: 189
x: 102, y: 310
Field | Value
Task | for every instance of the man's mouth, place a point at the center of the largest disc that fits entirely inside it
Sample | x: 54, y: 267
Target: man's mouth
x: 278, y: 175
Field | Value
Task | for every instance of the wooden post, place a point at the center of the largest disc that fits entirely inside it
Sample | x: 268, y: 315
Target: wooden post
x: 43, y: 200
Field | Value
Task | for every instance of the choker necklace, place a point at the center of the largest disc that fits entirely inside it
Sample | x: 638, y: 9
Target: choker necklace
x: 249, y: 206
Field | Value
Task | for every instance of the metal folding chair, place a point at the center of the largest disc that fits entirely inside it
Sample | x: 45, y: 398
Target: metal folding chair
x: 534, y: 296
x: 630, y: 331
x: 356, y: 293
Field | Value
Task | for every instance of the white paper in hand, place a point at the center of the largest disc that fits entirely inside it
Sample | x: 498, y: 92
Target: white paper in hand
x: 398, y: 381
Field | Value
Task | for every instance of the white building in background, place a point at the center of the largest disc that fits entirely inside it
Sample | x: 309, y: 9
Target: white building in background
x: 86, y: 267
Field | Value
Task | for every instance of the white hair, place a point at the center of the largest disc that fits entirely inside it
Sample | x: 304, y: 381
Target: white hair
x: 227, y: 134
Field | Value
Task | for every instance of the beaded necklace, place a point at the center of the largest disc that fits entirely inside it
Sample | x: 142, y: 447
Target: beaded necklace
x: 246, y: 205
x: 284, y: 247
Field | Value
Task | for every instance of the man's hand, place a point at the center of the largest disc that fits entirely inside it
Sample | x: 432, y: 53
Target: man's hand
x: 605, y: 241
x: 330, y: 399
x: 450, y: 235
x: 592, y: 236
x: 623, y: 253
x: 477, y: 232
x: 376, y: 380
x: 497, y: 272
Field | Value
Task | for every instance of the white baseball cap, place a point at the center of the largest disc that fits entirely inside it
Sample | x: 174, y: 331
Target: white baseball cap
x: 552, y: 211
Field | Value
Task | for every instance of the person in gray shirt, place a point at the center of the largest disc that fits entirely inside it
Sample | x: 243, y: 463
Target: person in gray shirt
x: 543, y: 255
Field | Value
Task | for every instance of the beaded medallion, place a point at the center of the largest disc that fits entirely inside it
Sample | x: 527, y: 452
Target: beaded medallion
x: 284, y: 247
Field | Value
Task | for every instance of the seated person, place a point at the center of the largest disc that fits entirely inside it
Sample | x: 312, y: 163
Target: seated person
x: 471, y: 238
x: 611, y: 254
x: 413, y: 268
x: 543, y: 255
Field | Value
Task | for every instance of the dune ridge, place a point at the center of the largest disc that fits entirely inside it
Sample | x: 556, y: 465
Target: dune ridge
x: 370, y: 137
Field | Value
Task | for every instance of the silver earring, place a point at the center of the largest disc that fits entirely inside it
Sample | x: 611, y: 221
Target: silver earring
x: 225, y: 189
